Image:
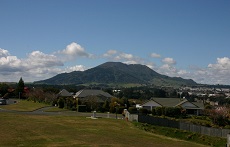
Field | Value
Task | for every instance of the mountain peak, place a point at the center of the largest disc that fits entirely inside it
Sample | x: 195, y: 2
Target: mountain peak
x: 113, y: 73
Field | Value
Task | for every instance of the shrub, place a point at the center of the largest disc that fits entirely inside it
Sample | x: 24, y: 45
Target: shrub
x: 112, y: 110
x: 153, y: 112
x: 219, y: 116
x: 120, y: 109
x: 61, y: 103
x: 169, y: 111
x: 172, y: 112
x: 143, y: 111
x: 159, y: 111
x: 81, y: 108
x: 132, y: 110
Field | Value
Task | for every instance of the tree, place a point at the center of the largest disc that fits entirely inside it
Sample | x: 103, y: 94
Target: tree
x: 105, y: 106
x: 159, y: 93
x: 61, y: 102
x: 3, y: 89
x: 20, y: 87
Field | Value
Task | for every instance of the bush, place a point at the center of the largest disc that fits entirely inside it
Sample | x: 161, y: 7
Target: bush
x: 81, y: 108
x: 159, y: 111
x: 120, y: 109
x: 172, y: 112
x: 132, y: 110
x: 61, y: 103
x: 112, y: 110
x: 169, y: 111
x: 153, y: 111
x: 143, y: 111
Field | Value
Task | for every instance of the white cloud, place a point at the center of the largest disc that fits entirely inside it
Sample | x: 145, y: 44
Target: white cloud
x: 39, y: 59
x: 75, y: 68
x: 36, y: 66
x: 72, y: 51
x: 114, y: 55
x: 130, y: 62
x: 110, y: 53
x: 222, y: 64
x: 10, y: 63
x: 4, y: 53
x: 219, y: 73
x: 170, y: 61
x: 154, y: 55
x: 167, y: 69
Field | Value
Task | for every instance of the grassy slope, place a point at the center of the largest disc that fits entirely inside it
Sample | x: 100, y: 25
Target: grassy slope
x: 34, y: 130
x: 23, y: 105
x: 182, y: 134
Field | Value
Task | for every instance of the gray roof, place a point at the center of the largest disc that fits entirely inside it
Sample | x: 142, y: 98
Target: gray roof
x: 64, y: 93
x: 173, y: 102
x: 167, y: 102
x: 91, y: 92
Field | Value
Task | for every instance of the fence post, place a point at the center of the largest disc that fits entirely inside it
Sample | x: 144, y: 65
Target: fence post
x: 228, y: 140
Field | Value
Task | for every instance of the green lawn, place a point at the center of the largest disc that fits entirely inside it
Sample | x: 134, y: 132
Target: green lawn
x: 56, y: 109
x: 38, y: 130
x: 183, y: 135
x: 24, y: 105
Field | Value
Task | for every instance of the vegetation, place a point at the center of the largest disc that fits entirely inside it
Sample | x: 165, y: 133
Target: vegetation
x: 24, y: 105
x: 67, y: 124
x: 39, y: 130
x: 3, y: 89
x: 116, y: 73
x: 183, y: 135
x: 20, y: 88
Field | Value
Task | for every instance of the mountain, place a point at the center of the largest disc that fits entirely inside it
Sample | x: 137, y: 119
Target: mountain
x: 115, y: 73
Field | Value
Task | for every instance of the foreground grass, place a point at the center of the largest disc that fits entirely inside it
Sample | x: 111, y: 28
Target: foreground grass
x: 23, y: 105
x: 56, y: 109
x: 38, y: 130
x: 183, y: 135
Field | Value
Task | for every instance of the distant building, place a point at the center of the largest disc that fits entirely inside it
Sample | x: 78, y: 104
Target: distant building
x: 86, y: 94
x: 191, y: 107
x: 64, y: 93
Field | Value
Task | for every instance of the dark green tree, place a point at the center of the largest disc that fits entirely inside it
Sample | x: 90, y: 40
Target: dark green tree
x: 160, y: 93
x: 3, y: 89
x: 106, y: 106
x: 20, y: 88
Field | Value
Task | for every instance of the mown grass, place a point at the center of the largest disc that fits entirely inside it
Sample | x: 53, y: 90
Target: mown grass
x: 55, y: 109
x: 183, y: 135
x: 24, y: 105
x: 39, y: 130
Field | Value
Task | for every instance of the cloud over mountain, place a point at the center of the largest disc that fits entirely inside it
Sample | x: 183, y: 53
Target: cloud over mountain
x: 38, y: 65
x: 72, y: 51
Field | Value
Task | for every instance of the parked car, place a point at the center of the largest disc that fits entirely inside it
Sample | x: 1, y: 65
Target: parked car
x: 2, y: 101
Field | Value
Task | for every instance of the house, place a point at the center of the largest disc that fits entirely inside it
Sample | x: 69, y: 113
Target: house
x: 64, y: 93
x: 87, y: 94
x: 92, y: 99
x: 190, y: 107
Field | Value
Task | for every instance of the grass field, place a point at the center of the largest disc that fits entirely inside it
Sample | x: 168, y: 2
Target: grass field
x: 43, y: 130
x: 38, y: 130
x: 183, y: 135
x: 23, y: 105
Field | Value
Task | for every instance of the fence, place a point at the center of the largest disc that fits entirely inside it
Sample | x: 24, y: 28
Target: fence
x: 184, y: 126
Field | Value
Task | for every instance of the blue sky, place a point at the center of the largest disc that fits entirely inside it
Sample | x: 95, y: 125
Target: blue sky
x: 185, y: 38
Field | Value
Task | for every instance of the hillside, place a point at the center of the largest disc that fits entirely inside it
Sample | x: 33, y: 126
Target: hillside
x: 112, y: 73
